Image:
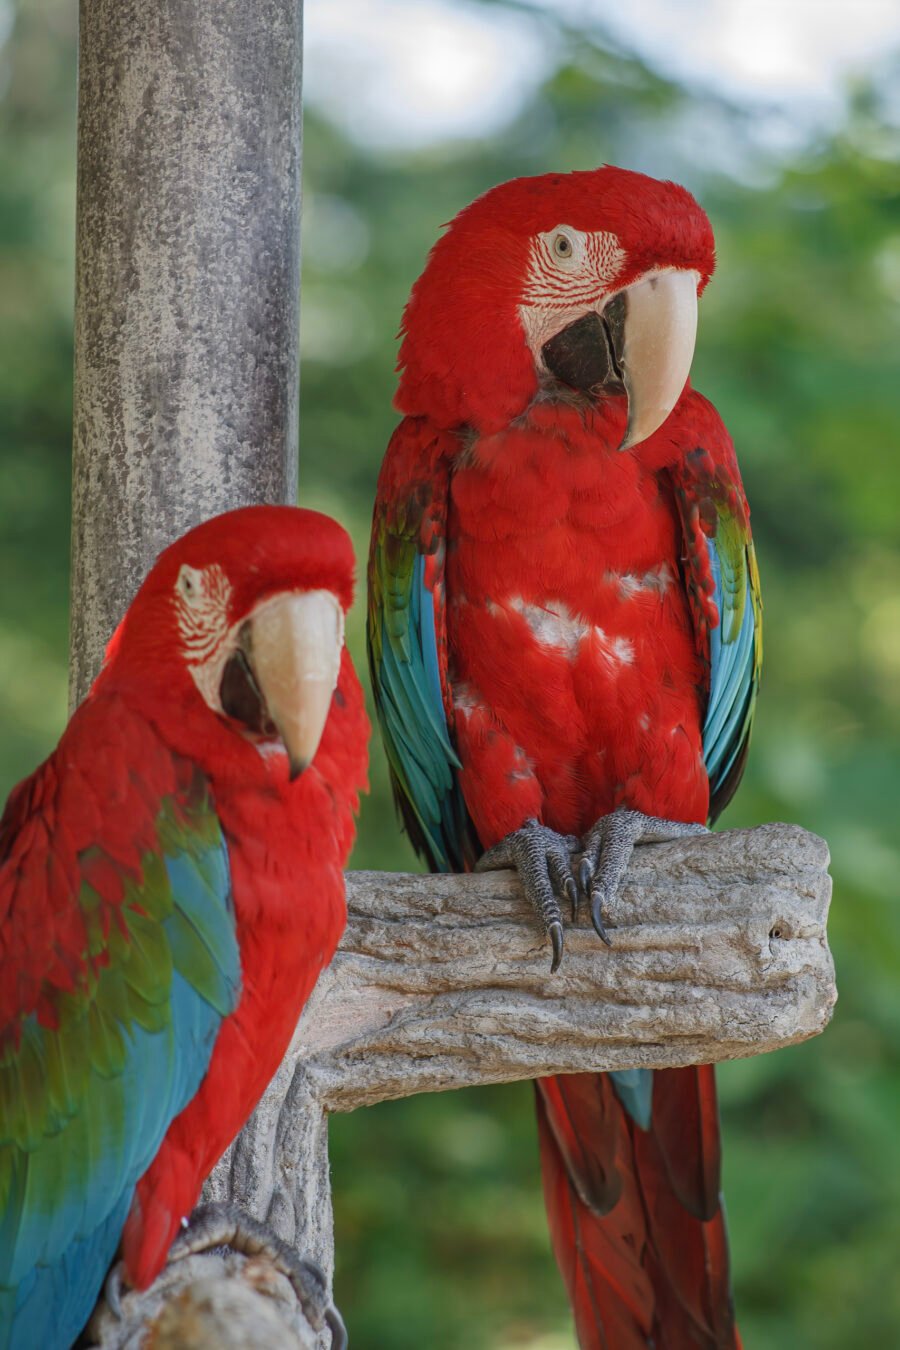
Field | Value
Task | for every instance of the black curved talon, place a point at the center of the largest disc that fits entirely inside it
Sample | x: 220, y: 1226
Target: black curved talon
x: 543, y: 860
x: 335, y: 1324
x: 558, y: 941
x: 608, y: 847
x: 597, y: 917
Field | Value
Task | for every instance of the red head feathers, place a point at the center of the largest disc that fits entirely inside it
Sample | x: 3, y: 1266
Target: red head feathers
x: 241, y: 618
x: 467, y: 355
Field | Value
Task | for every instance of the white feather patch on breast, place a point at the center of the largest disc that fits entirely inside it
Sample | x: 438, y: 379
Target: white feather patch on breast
x: 555, y: 626
x: 656, y: 581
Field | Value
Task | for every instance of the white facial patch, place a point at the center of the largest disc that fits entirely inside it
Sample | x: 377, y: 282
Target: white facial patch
x: 202, y: 599
x: 569, y: 274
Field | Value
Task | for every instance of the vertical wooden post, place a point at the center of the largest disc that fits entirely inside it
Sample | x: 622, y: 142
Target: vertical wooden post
x: 187, y: 284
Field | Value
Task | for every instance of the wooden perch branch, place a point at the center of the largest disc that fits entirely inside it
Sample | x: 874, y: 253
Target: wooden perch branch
x: 719, y: 951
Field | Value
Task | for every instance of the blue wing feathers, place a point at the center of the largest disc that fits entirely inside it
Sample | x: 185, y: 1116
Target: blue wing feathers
x: 203, y: 887
x: 731, y: 667
x: 59, y: 1297
x: 407, y: 643
x: 423, y: 622
x: 411, y: 708
x: 634, y: 1089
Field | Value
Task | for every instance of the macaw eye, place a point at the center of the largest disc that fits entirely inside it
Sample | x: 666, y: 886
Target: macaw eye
x: 562, y: 245
x: 190, y: 584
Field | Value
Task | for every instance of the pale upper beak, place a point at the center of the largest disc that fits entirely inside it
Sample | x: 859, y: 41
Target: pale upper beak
x: 294, y: 648
x: 660, y: 330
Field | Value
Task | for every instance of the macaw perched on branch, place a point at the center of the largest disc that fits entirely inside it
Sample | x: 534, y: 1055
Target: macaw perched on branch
x: 565, y: 641
x: 171, y: 885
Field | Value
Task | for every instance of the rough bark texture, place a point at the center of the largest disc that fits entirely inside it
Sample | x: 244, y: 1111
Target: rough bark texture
x: 187, y: 284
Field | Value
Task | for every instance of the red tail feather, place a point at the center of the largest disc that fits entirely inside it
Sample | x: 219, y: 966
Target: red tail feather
x: 635, y: 1216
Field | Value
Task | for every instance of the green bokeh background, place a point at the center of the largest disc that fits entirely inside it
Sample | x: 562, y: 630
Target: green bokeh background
x: 440, y: 1230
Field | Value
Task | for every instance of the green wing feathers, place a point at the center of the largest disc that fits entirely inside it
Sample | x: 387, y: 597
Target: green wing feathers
x: 408, y: 646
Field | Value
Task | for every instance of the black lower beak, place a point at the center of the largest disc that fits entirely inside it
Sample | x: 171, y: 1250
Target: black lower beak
x: 241, y: 699
x: 587, y: 355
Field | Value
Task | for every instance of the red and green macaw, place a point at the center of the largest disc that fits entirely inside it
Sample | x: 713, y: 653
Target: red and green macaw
x: 171, y: 885
x: 565, y: 643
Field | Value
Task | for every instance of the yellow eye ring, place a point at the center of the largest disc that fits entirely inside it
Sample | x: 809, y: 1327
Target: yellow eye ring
x: 562, y: 246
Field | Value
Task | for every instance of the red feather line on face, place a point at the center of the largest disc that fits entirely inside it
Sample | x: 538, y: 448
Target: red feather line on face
x: 596, y: 261
x: 203, y: 612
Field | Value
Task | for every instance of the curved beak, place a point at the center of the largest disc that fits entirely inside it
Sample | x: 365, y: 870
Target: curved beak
x: 660, y: 329
x: 294, y: 649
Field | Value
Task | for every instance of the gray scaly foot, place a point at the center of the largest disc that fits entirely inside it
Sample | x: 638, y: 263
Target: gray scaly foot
x: 607, y: 850
x: 226, y: 1225
x: 543, y: 860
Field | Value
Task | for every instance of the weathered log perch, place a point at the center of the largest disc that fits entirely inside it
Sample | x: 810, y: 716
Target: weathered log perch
x: 442, y: 982
x: 719, y: 951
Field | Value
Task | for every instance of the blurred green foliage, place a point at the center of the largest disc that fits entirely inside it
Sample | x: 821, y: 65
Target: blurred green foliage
x: 440, y: 1231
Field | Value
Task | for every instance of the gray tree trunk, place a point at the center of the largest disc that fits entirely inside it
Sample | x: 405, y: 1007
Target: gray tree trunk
x: 187, y: 284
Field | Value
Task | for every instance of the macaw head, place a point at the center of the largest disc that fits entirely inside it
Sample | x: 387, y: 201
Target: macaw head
x: 239, y: 628
x: 583, y: 281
